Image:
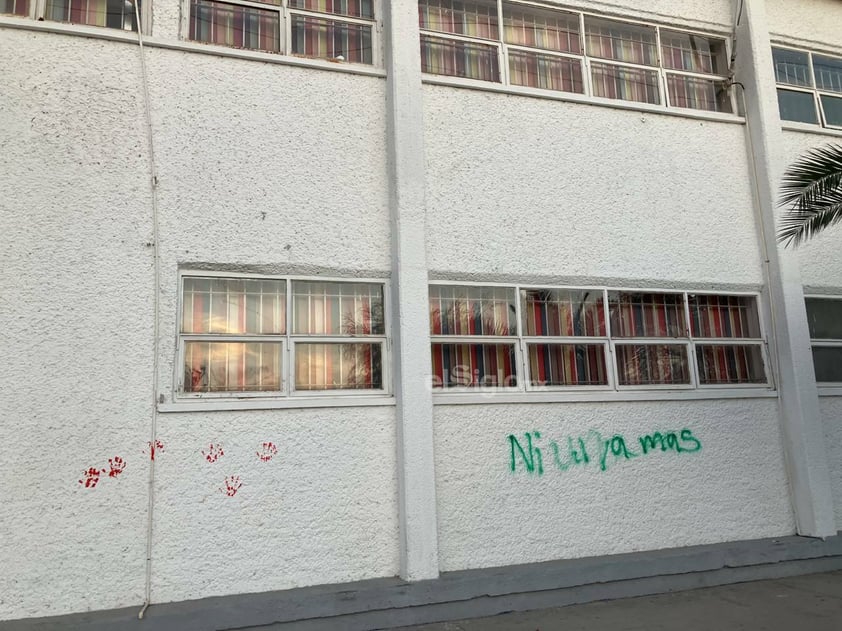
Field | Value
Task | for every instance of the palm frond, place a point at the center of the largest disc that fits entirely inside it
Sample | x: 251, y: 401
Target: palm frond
x: 812, y: 189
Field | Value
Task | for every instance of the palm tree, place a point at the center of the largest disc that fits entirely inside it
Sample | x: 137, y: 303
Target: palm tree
x: 812, y: 191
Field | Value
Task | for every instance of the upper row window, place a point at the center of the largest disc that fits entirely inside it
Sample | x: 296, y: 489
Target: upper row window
x: 824, y: 316
x: 572, y: 52
x: 119, y: 14
x: 809, y: 87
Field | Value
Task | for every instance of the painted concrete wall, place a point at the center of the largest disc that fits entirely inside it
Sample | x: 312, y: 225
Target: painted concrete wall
x: 814, y: 21
x: 716, y: 13
x: 584, y: 192
x: 733, y: 488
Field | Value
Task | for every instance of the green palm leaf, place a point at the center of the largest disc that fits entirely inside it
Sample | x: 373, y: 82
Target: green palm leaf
x: 812, y: 191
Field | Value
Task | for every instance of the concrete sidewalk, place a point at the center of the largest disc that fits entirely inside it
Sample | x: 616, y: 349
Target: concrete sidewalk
x: 801, y: 603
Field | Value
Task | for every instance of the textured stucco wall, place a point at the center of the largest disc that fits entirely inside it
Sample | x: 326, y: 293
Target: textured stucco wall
x: 717, y: 14
x: 734, y: 488
x: 831, y: 409
x: 536, y: 188
x: 814, y: 21
x: 258, y: 169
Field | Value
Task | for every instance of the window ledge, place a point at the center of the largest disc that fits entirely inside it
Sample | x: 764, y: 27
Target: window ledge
x: 477, y: 398
x: 116, y: 35
x: 810, y: 129
x: 219, y: 405
x: 830, y: 391
x: 571, y: 97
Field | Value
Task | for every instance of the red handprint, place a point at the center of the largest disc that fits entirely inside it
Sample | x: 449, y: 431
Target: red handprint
x: 213, y: 453
x: 158, y: 446
x: 232, y: 485
x: 267, y: 451
x: 116, y: 466
x: 91, y: 477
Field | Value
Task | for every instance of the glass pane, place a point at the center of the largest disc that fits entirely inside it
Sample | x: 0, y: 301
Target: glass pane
x: 832, y: 108
x: 334, y: 308
x: 537, y: 28
x: 827, y: 361
x: 473, y: 365
x: 357, y: 366
x: 621, y: 42
x: 730, y: 364
x: 693, y: 53
x: 459, y: 59
x: 567, y: 365
x: 111, y: 13
x: 232, y: 366
x: 824, y: 317
x: 649, y: 364
x: 797, y: 106
x: 723, y: 316
x: 233, y: 306
x: 699, y: 94
x: 791, y: 67
x: 627, y: 84
x: 475, y: 19
x: 354, y: 8
x: 646, y: 315
x: 330, y: 39
x: 563, y: 312
x: 456, y: 310
x: 15, y: 7
x: 544, y: 71
x: 828, y: 73
x: 233, y: 25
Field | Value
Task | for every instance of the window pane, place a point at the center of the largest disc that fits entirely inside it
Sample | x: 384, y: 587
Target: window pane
x: 797, y: 106
x: 232, y: 366
x: 827, y: 361
x: 15, y: 7
x: 621, y: 42
x: 699, y: 94
x: 567, y: 365
x: 693, y: 53
x: 111, y: 13
x: 828, y: 73
x: 723, y: 316
x: 357, y: 366
x: 730, y: 364
x: 475, y: 19
x: 473, y: 365
x: 331, y: 308
x: 628, y: 84
x: 648, y: 364
x: 233, y: 25
x: 233, y: 305
x: 545, y: 71
x: 832, y: 107
x: 329, y: 39
x: 646, y: 315
x: 563, y: 312
x: 824, y: 317
x: 459, y: 59
x: 535, y: 28
x: 791, y: 67
x: 354, y: 8
x: 456, y: 310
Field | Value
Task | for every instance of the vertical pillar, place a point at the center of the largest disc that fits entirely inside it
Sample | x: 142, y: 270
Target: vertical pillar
x: 411, y: 349
x: 802, y: 431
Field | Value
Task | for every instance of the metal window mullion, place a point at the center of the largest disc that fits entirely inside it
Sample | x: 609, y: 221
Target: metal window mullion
x: 38, y: 9
x: 695, y: 380
x: 544, y: 51
x: 626, y: 64
x: 336, y: 17
x: 463, y: 38
x: 587, y: 80
x: 503, y: 52
x: 662, y: 72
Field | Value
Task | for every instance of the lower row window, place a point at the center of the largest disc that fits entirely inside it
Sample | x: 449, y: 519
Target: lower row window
x: 508, y: 337
x: 824, y: 316
x: 118, y: 14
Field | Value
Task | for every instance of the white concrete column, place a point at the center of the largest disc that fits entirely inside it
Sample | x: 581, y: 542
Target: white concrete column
x: 411, y: 351
x: 803, y: 434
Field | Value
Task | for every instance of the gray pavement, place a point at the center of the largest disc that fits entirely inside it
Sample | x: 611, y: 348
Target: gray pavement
x: 801, y: 603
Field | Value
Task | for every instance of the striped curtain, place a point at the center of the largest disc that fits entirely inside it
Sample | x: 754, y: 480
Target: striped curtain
x: 698, y: 94
x: 621, y: 42
x: 14, y: 7
x: 473, y: 365
x: 545, y: 71
x: 111, y: 13
x: 353, y: 8
x: 235, y: 25
x: 650, y: 364
x: 646, y: 315
x: 567, y: 365
x: 723, y: 316
x: 472, y: 19
x: 331, y: 39
x: 541, y: 29
x: 727, y: 363
x: 459, y: 59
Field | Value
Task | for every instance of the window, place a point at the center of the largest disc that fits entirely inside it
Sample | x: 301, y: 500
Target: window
x: 536, y: 47
x: 522, y: 338
x: 809, y: 87
x: 119, y: 14
x: 264, y: 336
x: 824, y: 316
x: 338, y: 30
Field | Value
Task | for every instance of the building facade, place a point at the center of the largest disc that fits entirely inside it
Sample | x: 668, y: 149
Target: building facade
x: 313, y: 292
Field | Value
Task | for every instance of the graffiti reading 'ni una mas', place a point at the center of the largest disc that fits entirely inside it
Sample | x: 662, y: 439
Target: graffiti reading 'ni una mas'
x: 533, y: 454
x: 232, y: 485
x: 213, y: 453
x: 267, y: 451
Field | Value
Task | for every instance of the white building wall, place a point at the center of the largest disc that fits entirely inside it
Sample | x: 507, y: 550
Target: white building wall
x: 815, y: 22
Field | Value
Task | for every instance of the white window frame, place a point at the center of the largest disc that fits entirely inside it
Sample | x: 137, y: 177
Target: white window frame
x: 287, y: 341
x: 610, y: 342
x: 285, y: 13
x: 585, y: 59
x: 814, y: 91
x: 826, y: 387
